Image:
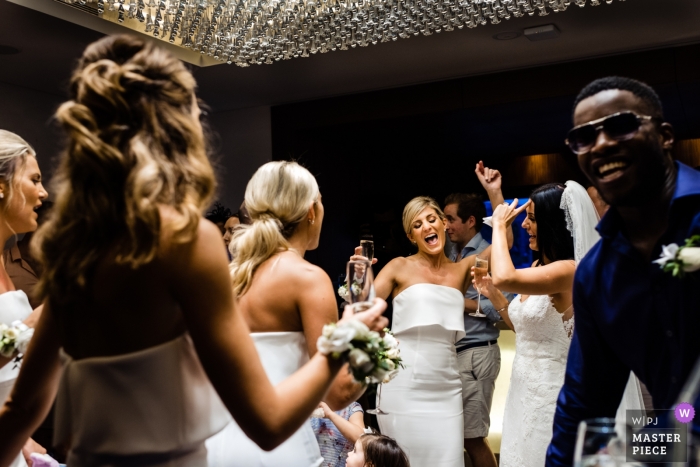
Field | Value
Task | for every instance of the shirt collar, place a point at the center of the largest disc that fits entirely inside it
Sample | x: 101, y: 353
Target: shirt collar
x: 687, y: 184
x: 473, y: 244
x: 14, y: 253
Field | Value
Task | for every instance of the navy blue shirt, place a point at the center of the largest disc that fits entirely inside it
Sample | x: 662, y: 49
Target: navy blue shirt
x: 630, y: 315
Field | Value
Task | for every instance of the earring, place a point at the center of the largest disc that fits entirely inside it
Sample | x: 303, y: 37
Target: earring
x: 311, y: 221
x: 2, y: 195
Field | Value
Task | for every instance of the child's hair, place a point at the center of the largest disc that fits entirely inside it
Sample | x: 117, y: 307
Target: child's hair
x: 382, y: 451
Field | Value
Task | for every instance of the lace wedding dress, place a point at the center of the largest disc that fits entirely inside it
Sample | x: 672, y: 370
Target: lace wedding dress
x: 151, y: 408
x: 541, y: 347
x: 14, y: 306
x: 282, y: 353
x: 424, y: 401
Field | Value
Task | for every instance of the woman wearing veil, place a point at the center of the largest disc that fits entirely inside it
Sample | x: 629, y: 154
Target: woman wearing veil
x: 561, y: 222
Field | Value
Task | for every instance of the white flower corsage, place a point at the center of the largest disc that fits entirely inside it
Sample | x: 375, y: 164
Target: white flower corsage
x: 371, y: 357
x: 14, y: 338
x: 343, y: 292
x: 680, y: 260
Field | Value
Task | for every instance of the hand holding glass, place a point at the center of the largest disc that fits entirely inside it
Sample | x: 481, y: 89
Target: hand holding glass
x: 360, y: 284
x: 481, y: 268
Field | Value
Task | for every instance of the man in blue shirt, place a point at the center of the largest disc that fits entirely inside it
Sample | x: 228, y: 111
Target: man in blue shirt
x: 478, y: 354
x: 630, y: 315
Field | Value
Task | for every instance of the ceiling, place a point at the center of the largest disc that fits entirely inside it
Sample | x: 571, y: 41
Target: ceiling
x: 49, y: 47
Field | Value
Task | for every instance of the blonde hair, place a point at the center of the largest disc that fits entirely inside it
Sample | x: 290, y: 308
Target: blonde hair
x: 134, y: 144
x: 13, y: 157
x: 277, y: 198
x: 415, y: 206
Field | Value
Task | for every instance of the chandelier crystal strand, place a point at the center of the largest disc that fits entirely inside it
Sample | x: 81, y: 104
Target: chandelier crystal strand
x: 253, y: 32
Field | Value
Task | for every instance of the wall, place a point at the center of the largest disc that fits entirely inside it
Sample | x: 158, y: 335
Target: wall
x: 242, y: 139
x: 242, y: 143
x: 28, y: 113
x: 373, y: 152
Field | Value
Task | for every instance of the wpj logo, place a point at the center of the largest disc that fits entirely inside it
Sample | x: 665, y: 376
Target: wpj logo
x: 658, y: 439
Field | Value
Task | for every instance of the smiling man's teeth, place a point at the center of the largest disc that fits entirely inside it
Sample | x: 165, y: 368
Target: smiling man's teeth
x: 611, y: 166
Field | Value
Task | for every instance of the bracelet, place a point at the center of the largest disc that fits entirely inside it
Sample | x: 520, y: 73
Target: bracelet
x: 371, y: 357
x: 502, y: 309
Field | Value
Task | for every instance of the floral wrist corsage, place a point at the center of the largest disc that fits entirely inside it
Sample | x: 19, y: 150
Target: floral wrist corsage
x: 680, y: 260
x: 14, y: 338
x: 372, y: 358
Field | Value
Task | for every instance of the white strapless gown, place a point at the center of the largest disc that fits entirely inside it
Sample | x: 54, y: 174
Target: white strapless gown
x: 154, y: 408
x: 14, y: 306
x: 539, y: 367
x: 424, y: 401
x: 282, y: 353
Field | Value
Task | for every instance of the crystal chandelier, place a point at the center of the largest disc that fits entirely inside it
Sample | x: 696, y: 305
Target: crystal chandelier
x: 247, y: 32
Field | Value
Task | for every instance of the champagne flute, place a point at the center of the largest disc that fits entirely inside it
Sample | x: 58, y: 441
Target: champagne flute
x: 360, y: 284
x: 367, y: 249
x: 481, y: 268
x: 378, y: 410
x: 598, y: 444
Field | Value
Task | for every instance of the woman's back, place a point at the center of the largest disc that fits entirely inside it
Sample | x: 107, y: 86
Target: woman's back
x: 128, y: 310
x: 272, y: 303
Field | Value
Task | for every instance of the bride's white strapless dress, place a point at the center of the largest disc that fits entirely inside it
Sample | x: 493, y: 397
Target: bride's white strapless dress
x: 541, y: 349
x: 14, y: 306
x: 282, y: 354
x: 424, y: 401
x: 155, y: 408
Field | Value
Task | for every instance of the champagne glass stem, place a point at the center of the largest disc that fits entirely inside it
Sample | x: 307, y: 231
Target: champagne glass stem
x: 478, y: 302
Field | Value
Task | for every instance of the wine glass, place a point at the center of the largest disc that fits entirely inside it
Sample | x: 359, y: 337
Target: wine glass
x: 367, y: 249
x: 360, y: 284
x: 481, y: 268
x: 598, y: 444
x: 378, y: 410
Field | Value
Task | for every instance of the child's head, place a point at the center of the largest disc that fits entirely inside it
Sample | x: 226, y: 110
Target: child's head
x: 374, y: 450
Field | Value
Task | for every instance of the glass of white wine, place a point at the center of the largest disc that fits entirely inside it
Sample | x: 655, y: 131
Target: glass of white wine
x: 360, y: 284
x: 599, y: 444
x: 481, y: 268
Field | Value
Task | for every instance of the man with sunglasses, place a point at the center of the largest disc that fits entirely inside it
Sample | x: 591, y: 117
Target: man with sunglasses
x: 630, y: 315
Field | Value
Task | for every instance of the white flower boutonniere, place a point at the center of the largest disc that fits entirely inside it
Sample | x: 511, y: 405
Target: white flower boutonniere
x: 679, y: 260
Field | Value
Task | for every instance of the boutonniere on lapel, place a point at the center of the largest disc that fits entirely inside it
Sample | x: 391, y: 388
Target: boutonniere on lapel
x: 679, y: 260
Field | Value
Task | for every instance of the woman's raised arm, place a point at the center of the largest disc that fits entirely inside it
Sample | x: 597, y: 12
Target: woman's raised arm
x: 267, y: 414
x: 548, y: 279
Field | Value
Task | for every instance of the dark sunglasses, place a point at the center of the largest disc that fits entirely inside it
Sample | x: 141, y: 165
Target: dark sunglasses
x: 620, y: 127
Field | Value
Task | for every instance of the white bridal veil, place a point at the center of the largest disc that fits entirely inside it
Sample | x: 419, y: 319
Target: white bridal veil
x: 581, y: 220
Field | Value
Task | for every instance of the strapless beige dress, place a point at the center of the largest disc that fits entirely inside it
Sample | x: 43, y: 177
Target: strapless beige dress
x: 154, y: 408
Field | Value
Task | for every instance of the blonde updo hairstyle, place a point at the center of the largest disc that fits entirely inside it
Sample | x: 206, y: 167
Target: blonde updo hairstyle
x: 134, y: 144
x: 13, y: 157
x: 415, y: 207
x: 277, y: 198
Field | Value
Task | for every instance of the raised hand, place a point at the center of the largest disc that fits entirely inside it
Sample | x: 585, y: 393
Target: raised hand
x: 490, y: 178
x: 372, y: 317
x: 484, y: 284
x: 506, y: 213
x: 358, y: 256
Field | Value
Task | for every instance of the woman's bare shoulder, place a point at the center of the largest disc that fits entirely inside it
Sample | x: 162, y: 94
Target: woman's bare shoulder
x: 291, y: 268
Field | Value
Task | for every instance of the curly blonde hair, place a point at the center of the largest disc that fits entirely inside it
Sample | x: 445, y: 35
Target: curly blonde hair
x: 134, y: 144
x: 277, y: 198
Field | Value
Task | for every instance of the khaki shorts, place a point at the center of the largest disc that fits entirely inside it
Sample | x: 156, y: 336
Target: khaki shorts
x: 478, y: 370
